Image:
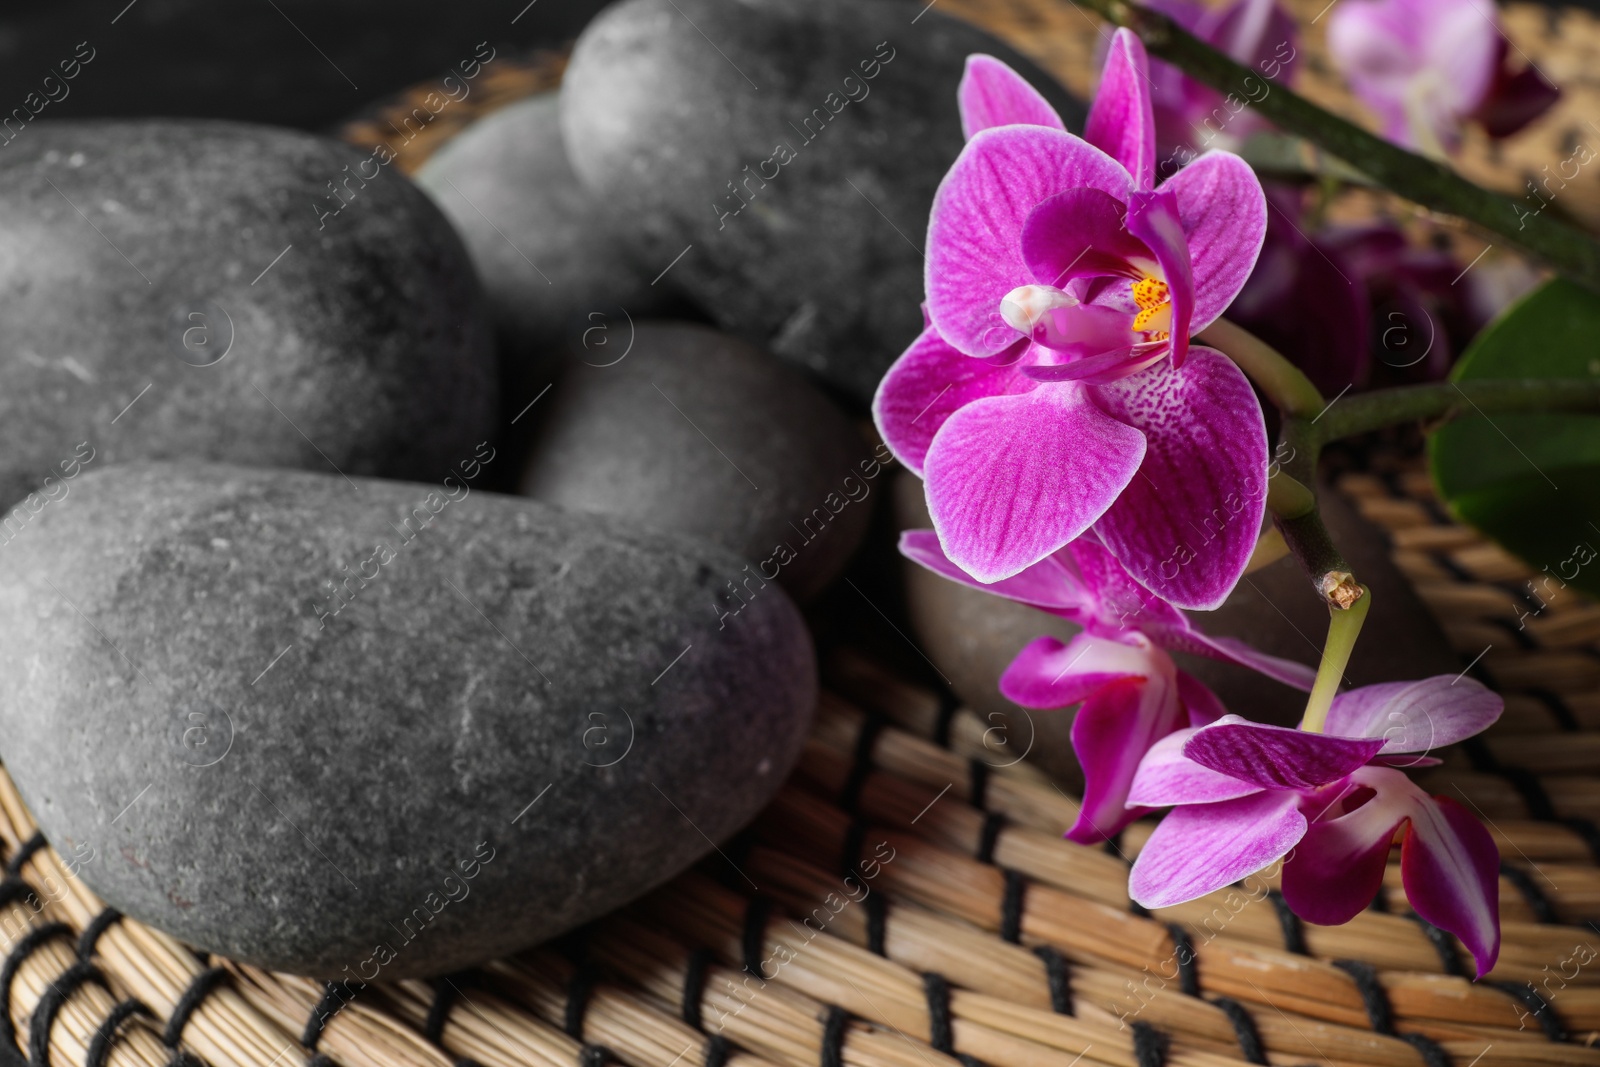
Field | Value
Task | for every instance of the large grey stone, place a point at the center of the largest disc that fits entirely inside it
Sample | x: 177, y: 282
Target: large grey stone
x: 789, y: 151
x: 558, y: 281
x: 505, y: 720
x: 195, y: 290
x: 972, y: 636
x: 697, y: 432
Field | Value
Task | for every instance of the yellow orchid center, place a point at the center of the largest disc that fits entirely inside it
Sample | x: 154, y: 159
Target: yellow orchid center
x: 1155, y: 308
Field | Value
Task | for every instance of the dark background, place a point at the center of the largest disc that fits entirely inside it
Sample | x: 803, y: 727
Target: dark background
x: 251, y: 59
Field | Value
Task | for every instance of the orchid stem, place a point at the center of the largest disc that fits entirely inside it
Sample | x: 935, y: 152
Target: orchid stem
x: 1441, y: 401
x: 1343, y: 629
x: 1429, y: 183
x: 1283, y: 383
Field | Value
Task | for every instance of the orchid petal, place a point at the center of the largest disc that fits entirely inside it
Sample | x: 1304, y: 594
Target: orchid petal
x: 1204, y: 706
x: 1102, y: 369
x: 1198, y: 849
x: 1081, y: 233
x: 1277, y: 757
x: 1224, y: 215
x: 1154, y: 219
x: 1050, y: 585
x: 1011, y: 479
x: 1186, y: 526
x: 1047, y: 674
x: 1451, y: 870
x: 974, y: 246
x: 1117, y: 601
x: 928, y: 383
x: 1113, y: 729
x: 1338, y: 866
x: 1166, y: 777
x: 992, y: 94
x: 1232, y: 650
x: 1416, y: 716
x: 1121, y: 121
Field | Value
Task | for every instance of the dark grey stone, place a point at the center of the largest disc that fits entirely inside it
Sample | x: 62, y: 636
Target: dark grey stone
x: 193, y: 290
x: 697, y: 432
x: 523, y: 719
x: 558, y: 281
x: 667, y: 102
x: 972, y: 636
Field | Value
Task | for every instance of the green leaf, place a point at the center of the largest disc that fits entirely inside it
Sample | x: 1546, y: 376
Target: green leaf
x: 1531, y: 481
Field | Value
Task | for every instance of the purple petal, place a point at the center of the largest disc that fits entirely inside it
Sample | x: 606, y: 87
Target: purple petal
x: 1080, y: 233
x: 1011, y: 479
x: 1120, y: 120
x: 1416, y: 716
x: 925, y: 386
x: 1254, y: 32
x: 1276, y: 757
x: 1154, y: 219
x: 1515, y: 99
x: 1166, y: 777
x: 1048, y: 674
x: 1185, y: 527
x: 992, y: 94
x: 975, y: 232
x: 1224, y: 215
x: 1201, y: 848
x: 1204, y: 706
x: 1114, y: 728
x: 1117, y: 602
x: 1338, y: 866
x: 1051, y: 585
x: 1105, y: 368
x: 1232, y: 650
x: 1451, y: 871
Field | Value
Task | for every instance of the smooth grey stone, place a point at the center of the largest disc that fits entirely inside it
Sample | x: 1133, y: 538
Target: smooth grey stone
x: 524, y: 719
x: 815, y: 255
x: 558, y: 281
x: 971, y: 636
x: 697, y: 432
x: 195, y: 290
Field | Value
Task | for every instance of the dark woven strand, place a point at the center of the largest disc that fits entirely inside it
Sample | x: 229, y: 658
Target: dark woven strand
x: 1184, y: 956
x: 1294, y: 935
x: 1444, y: 946
x: 993, y: 823
x: 694, y: 987
x: 1244, y: 1029
x: 833, y: 1025
x: 89, y: 940
x: 594, y: 1056
x: 326, y: 1007
x: 1538, y: 1007
x: 754, y: 935
x: 861, y: 761
x: 1543, y: 909
x: 182, y: 1057
x: 937, y: 991
x: 948, y: 706
x: 444, y: 998
x: 978, y: 783
x: 26, y: 946
x: 44, y: 1013
x: 25, y: 853
x: 1057, y: 977
x: 192, y: 998
x: 716, y: 1051
x: 1585, y: 829
x: 16, y: 891
x: 1380, y: 901
x: 1380, y: 1013
x: 106, y: 1032
x: 1011, y: 907
x: 1558, y: 708
x: 850, y: 853
x: 1433, y: 1054
x: 1525, y: 782
x: 579, y: 988
x: 877, y: 923
x: 466, y: 1061
x: 1149, y: 1045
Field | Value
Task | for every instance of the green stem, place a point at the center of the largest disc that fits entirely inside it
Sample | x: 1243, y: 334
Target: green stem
x: 1365, y: 412
x: 1423, y: 181
x: 1283, y: 383
x: 1343, y: 628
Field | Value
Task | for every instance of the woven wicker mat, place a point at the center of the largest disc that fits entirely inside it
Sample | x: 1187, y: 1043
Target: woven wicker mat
x: 908, y: 900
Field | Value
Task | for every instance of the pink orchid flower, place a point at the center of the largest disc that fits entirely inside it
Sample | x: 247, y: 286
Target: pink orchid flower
x: 1132, y: 693
x: 1054, y: 389
x: 1247, y: 795
x: 1428, y: 66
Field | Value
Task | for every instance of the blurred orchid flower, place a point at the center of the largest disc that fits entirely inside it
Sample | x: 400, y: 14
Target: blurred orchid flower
x: 1054, y: 389
x: 1426, y: 67
x: 1119, y: 669
x: 1246, y: 795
